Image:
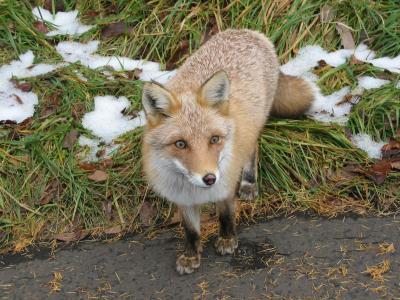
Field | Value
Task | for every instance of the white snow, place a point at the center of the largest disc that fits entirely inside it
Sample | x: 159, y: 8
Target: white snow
x: 367, y: 144
x: 66, y: 23
x: 84, y: 53
x: 327, y: 108
x: 309, y: 56
x: 368, y: 82
x: 15, y: 104
x: 107, y: 121
x: 398, y: 85
x: 388, y: 63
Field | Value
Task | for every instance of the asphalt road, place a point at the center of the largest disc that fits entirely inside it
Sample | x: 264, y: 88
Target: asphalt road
x: 286, y: 258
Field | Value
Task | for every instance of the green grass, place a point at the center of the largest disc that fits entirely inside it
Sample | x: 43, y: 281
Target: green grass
x: 297, y: 156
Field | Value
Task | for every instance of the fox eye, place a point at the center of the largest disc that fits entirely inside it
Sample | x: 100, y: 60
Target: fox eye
x: 215, y: 139
x: 181, y: 144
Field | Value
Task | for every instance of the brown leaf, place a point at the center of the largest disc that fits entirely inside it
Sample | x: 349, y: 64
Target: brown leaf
x: 132, y: 75
x: 70, y: 139
x: 113, y: 230
x: 379, y: 171
x: 18, y: 99
x: 182, y: 50
x: 40, y: 26
x: 355, y: 61
x: 322, y: 63
x: 87, y: 166
x: 136, y: 74
x: 147, y: 213
x: 7, y: 122
x: 345, y: 35
x: 91, y: 13
x: 211, y: 29
x: 72, y: 236
x: 58, y: 5
x: 24, y: 86
x: 395, y: 163
x: 51, y: 192
x: 115, y: 29
x: 98, y: 176
x: 327, y: 13
x: 78, y: 109
x: 392, y: 149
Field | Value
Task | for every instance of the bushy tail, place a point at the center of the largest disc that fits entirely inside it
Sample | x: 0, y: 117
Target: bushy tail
x: 293, y: 97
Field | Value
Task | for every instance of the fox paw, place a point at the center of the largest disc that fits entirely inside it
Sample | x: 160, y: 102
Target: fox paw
x: 226, y: 246
x: 187, y: 264
x: 248, y: 191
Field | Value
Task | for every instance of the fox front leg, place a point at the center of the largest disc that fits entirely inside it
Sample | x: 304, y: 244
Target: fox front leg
x: 227, y: 241
x: 190, y: 259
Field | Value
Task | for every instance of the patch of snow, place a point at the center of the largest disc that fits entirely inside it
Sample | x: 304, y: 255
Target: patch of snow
x: 363, y: 53
x: 92, y: 144
x: 107, y: 121
x: 367, y: 144
x: 398, y: 85
x: 85, y: 54
x: 328, y: 108
x: 24, y: 67
x: 309, y: 56
x: 66, y: 23
x: 368, y: 82
x: 15, y: 104
x: 388, y: 63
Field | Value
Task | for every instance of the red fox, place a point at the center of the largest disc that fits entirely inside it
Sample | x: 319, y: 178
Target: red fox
x: 200, y: 142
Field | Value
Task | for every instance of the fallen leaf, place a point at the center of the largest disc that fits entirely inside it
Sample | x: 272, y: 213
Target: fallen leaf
x: 379, y: 171
x: 98, y: 176
x: 87, y: 166
x: 211, y: 29
x: 78, y: 109
x: 322, y: 63
x: 70, y: 139
x: 41, y: 27
x: 392, y: 149
x: 113, y: 230
x: 147, y: 213
x: 327, y: 13
x: 395, y: 163
x: 182, y: 50
x: 355, y: 61
x: 91, y: 13
x: 51, y: 193
x: 72, y: 236
x: 24, y: 86
x: 7, y: 122
x: 345, y: 35
x: 18, y: 99
x: 115, y: 29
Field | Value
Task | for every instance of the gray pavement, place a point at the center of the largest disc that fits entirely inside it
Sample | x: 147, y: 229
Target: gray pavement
x: 284, y: 258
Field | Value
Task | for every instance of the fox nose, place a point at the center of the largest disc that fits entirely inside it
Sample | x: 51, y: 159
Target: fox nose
x: 209, y: 179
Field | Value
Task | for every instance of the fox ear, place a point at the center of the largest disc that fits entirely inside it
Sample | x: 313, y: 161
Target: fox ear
x: 215, y: 90
x: 156, y: 99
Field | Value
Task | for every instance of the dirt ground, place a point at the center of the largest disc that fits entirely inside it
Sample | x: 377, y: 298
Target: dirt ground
x: 286, y: 258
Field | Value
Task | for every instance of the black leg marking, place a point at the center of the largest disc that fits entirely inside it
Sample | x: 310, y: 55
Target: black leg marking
x: 248, y: 189
x: 192, y: 240
x: 227, y: 241
x: 190, y: 259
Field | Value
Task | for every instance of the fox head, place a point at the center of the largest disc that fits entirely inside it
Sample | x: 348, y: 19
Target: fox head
x: 189, y: 132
